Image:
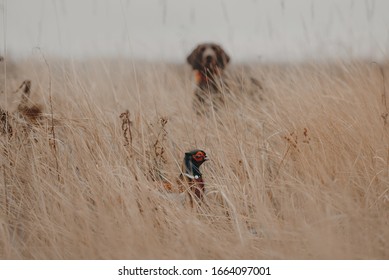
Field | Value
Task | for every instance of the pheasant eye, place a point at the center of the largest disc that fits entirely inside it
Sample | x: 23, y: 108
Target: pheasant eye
x: 198, y: 157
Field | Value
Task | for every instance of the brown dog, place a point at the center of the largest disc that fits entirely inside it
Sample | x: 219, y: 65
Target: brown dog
x: 208, y: 60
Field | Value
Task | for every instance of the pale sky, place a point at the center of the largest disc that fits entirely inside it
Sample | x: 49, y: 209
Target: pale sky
x: 255, y: 30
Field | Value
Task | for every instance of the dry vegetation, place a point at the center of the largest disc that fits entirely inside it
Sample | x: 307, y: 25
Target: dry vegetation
x: 299, y: 169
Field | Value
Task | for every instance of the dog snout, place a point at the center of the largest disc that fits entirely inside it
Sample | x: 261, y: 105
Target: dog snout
x: 209, y: 55
x: 208, y: 58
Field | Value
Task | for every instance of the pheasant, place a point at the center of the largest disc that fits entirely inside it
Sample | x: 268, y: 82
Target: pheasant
x: 191, y: 178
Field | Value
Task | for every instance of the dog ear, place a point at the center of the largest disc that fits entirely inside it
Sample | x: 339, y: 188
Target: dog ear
x: 222, y: 58
x: 195, y: 57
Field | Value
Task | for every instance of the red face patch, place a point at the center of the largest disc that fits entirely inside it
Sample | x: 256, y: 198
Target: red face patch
x: 199, y: 156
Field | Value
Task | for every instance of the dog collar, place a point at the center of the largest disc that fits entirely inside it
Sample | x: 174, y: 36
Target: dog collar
x: 200, y: 77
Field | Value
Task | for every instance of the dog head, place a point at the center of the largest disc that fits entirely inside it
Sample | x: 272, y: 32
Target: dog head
x: 208, y: 57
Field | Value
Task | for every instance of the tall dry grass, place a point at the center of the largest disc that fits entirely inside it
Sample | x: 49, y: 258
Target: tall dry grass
x: 298, y: 170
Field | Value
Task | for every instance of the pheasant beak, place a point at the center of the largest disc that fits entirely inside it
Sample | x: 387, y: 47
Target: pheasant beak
x: 206, y: 158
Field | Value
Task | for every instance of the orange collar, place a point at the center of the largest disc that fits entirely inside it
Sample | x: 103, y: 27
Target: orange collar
x: 200, y: 77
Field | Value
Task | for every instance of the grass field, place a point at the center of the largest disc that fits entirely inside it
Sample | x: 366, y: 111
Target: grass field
x: 299, y: 169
